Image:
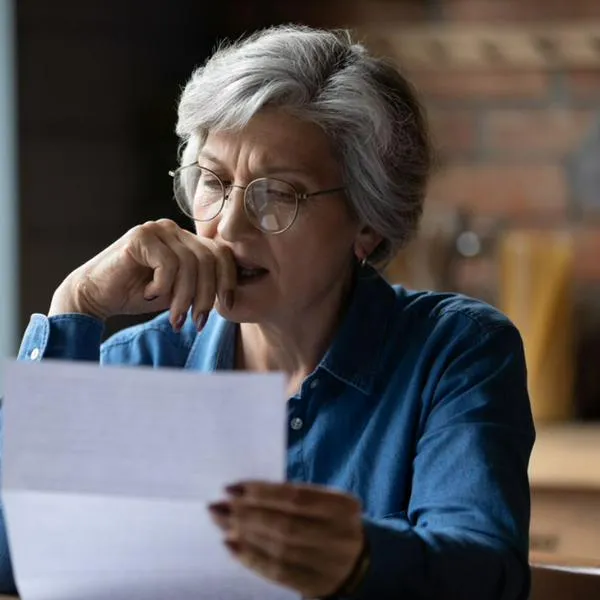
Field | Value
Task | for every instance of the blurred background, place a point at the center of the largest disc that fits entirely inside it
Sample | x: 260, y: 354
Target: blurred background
x: 512, y: 89
x: 88, y: 95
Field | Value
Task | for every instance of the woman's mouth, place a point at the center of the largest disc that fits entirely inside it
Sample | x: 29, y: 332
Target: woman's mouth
x: 247, y: 275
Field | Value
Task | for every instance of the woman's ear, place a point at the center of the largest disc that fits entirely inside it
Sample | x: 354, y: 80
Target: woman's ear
x: 366, y: 242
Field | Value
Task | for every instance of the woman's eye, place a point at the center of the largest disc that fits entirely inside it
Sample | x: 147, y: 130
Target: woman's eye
x: 279, y: 196
x: 210, y: 184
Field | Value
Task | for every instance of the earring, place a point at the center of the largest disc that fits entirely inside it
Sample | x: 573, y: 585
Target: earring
x: 365, y: 257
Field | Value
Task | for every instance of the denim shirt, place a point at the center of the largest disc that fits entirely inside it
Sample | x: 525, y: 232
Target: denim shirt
x: 419, y: 408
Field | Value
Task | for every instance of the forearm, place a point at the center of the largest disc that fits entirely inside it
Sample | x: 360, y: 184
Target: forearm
x: 425, y: 565
x: 67, y: 336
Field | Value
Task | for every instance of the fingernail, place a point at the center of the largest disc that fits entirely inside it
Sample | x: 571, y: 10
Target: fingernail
x: 237, y: 490
x: 228, y: 299
x: 179, y: 322
x: 235, y: 547
x: 201, y: 322
x: 150, y: 298
x: 221, y: 509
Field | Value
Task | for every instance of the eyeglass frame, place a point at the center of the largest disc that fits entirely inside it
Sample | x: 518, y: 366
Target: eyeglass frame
x: 300, y: 196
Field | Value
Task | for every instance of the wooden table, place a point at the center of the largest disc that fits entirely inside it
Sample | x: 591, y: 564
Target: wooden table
x: 572, y: 564
x: 563, y: 578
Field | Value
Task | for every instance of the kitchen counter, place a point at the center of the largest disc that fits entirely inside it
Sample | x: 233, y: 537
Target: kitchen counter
x: 566, y: 456
x: 565, y: 497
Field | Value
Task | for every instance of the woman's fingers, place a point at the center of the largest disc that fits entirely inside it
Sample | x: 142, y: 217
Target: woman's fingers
x: 146, y: 248
x: 299, y: 577
x: 225, y: 270
x: 315, y: 573
x: 187, y: 282
x: 226, y: 276
x: 174, y: 268
x: 191, y: 271
x: 286, y: 531
x: 154, y: 266
x: 206, y: 280
x: 217, y: 275
x: 301, y: 499
x: 314, y: 559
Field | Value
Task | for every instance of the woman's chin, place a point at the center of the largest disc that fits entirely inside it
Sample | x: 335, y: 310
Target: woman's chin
x: 251, y: 304
x: 240, y: 313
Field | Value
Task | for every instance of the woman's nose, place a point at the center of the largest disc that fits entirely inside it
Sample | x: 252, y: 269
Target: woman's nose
x: 233, y: 222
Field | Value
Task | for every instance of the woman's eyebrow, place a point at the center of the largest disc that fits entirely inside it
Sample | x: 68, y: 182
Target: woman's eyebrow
x: 205, y: 154
x: 266, y: 170
x: 277, y: 169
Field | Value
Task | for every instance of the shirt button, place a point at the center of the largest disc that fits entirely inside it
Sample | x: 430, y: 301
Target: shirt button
x: 296, y: 423
x: 314, y: 383
x: 35, y: 353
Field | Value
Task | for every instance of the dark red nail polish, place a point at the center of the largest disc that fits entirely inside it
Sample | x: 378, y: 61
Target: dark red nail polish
x: 228, y: 299
x: 235, y: 547
x: 150, y: 298
x: 180, y: 321
x: 221, y: 509
x: 237, y: 490
x: 201, y: 322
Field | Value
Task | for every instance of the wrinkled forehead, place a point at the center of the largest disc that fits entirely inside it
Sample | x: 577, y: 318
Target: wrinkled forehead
x: 269, y: 138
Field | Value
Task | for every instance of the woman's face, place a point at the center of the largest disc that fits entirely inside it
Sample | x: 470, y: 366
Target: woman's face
x: 296, y: 271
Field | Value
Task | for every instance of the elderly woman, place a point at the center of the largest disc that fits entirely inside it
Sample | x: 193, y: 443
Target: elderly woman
x: 303, y: 169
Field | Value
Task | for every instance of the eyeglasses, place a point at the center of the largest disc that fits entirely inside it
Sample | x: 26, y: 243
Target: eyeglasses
x: 271, y: 205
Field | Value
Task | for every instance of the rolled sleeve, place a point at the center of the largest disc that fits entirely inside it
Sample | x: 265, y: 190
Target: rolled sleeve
x: 69, y: 336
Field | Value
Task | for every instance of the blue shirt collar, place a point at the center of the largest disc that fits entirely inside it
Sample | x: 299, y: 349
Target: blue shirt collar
x: 354, y: 356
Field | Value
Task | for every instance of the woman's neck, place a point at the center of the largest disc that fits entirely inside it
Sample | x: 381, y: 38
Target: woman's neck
x: 296, y: 346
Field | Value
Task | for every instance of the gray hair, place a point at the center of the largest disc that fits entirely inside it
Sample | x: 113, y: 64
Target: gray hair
x: 366, y: 107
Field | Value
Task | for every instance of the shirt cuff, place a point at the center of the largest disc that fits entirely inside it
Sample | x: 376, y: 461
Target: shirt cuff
x: 389, y: 549
x: 68, y: 336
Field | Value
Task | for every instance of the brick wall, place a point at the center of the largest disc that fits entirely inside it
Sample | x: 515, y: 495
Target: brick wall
x: 508, y: 139
x: 511, y: 144
x: 517, y: 147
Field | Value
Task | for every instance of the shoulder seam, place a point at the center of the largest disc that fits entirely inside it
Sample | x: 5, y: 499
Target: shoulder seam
x: 474, y: 317
x: 486, y: 326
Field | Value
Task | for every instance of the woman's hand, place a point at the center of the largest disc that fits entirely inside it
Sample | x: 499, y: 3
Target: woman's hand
x: 306, y: 537
x: 153, y: 267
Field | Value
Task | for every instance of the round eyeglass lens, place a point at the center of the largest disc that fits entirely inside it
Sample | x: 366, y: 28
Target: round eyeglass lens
x: 271, y: 205
x: 199, y: 193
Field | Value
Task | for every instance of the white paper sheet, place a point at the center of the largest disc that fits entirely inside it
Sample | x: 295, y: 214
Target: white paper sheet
x: 107, y: 472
